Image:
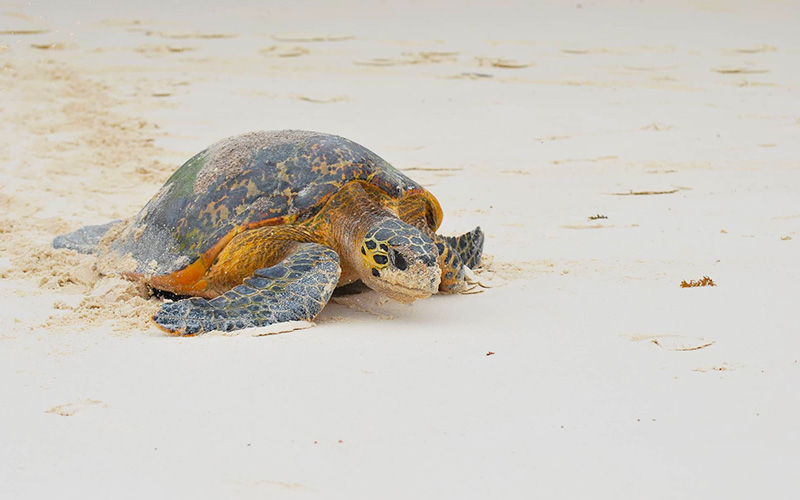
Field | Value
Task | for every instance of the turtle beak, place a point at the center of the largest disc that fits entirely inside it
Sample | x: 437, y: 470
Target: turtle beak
x: 408, y: 277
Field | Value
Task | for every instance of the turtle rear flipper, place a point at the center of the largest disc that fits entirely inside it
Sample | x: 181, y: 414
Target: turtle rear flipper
x: 296, y: 289
x: 85, y: 239
x: 455, y: 253
x: 468, y: 246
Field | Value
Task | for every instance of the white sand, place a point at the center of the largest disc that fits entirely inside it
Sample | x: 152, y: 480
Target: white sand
x: 608, y: 380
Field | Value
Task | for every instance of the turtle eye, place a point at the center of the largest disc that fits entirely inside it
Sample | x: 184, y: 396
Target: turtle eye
x: 398, y: 260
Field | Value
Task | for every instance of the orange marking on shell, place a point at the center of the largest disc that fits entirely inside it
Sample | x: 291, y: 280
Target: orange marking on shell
x: 276, y: 221
x: 190, y: 280
x: 438, y: 214
x: 437, y: 210
x: 182, y: 281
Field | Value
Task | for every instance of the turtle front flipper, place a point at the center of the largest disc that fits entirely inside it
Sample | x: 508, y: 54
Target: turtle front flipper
x: 295, y: 289
x: 85, y: 239
x: 455, y: 252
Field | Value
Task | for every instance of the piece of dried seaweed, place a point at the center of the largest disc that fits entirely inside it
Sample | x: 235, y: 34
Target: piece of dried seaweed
x: 643, y: 193
x: 705, y: 281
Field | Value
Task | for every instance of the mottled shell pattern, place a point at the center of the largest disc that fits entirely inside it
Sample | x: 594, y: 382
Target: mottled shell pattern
x: 248, y: 181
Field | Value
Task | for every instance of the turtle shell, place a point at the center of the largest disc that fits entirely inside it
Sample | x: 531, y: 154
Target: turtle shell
x: 248, y: 181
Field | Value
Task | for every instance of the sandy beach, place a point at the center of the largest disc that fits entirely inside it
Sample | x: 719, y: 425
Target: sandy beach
x: 611, y: 151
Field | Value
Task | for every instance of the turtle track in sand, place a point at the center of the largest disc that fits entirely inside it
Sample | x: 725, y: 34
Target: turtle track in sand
x: 78, y: 141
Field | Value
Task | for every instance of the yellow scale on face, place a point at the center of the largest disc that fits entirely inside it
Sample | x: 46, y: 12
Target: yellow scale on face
x: 375, y: 255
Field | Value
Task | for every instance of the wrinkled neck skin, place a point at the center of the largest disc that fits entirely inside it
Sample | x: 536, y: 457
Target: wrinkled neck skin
x: 351, y: 213
x: 400, y: 269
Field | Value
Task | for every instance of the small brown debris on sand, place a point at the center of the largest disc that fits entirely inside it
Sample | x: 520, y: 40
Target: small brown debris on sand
x: 643, y: 193
x: 676, y: 346
x: 673, y: 342
x: 704, y: 281
x: 694, y: 348
x: 722, y: 367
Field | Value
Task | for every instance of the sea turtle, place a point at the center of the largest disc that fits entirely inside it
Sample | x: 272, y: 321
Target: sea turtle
x: 260, y: 228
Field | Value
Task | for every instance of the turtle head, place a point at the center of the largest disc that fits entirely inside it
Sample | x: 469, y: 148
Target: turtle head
x: 399, y: 261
